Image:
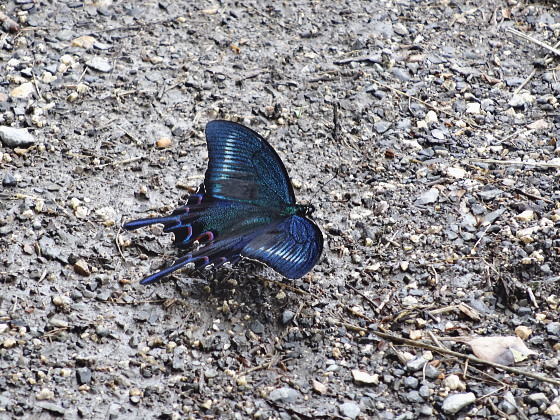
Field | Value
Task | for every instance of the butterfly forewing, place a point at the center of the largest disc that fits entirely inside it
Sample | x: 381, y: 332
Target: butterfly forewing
x: 243, y: 166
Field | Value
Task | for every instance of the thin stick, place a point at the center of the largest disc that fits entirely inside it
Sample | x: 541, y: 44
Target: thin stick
x: 515, y: 162
x: 534, y: 196
x: 8, y: 23
x: 137, y: 302
x: 535, y: 41
x: 465, y: 356
x: 336, y: 128
x: 119, y: 162
x: 37, y: 88
x: 371, y: 302
x: 547, y: 59
x: 473, y: 249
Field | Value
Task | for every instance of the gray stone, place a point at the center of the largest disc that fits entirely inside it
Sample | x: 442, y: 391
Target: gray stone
x: 182, y: 128
x: 491, y: 217
x: 210, y: 373
x: 16, y: 137
x: 424, y: 391
x: 9, y: 180
x: 456, y: 402
x: 287, y: 317
x: 413, y: 397
x: 539, y: 398
x: 426, y: 410
x: 381, y: 126
x: 416, y: 364
x: 349, y: 409
x: 257, y: 327
x: 400, y: 29
x: 401, y: 74
x: 52, y: 408
x: 84, y: 376
x: 427, y: 197
x: 407, y: 415
x: 553, y: 328
x: 102, y: 331
x: 178, y: 361
x: 285, y: 395
x: 411, y: 382
x: 432, y: 372
x: 438, y: 134
x: 100, y: 64
x: 489, y: 195
x: 468, y: 221
x: 508, y: 408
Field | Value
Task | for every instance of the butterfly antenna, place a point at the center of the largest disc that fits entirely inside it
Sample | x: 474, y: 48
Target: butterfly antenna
x: 337, y: 170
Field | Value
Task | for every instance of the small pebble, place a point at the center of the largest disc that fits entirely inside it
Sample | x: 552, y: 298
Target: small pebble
x: 285, y: 395
x: 473, y: 108
x: 83, y: 376
x: 453, y: 382
x: 319, y: 387
x: 349, y: 409
x: 99, y: 64
x: 16, y: 137
x: 164, y: 142
x: 456, y: 402
x: 23, y: 91
x: 523, y: 332
x: 427, y: 197
x: 361, y: 377
x: 45, y: 394
x: 81, y: 267
x: 9, y: 343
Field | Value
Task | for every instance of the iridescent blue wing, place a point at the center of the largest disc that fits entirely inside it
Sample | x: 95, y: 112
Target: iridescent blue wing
x: 216, y: 254
x: 244, y: 167
x: 186, y: 222
x: 246, y: 208
x: 292, y: 246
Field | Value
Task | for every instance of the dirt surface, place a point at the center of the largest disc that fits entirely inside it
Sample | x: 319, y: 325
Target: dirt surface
x: 379, y: 110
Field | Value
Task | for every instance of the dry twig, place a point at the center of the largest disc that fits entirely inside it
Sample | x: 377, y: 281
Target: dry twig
x: 535, y: 41
x: 515, y: 162
x: 467, y: 357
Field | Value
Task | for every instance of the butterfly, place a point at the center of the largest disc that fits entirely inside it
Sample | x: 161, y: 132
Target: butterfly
x: 245, y: 208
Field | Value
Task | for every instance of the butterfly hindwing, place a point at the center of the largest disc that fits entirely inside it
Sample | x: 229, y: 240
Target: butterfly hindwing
x: 243, y: 166
x: 291, y: 247
x: 216, y: 254
x: 185, y: 222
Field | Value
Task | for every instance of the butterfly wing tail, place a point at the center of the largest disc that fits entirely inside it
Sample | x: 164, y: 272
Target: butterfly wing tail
x: 178, y: 264
x: 167, y: 221
x: 183, y: 222
x: 216, y: 254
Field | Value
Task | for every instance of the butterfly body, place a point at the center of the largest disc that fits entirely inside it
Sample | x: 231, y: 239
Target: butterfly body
x: 244, y: 209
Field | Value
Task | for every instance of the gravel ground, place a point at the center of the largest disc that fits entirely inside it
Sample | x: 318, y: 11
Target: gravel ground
x: 412, y: 125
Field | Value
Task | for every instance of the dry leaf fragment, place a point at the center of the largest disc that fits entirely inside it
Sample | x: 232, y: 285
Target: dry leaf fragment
x: 503, y: 350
